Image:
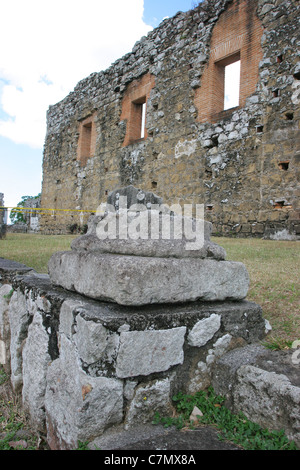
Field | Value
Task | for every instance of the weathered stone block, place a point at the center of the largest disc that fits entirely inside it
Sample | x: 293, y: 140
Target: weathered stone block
x: 35, y: 360
x: 94, y: 341
x: 262, y: 384
x: 145, y: 352
x: 67, y: 317
x: 19, y: 320
x: 204, y: 330
x: 263, y: 395
x: 78, y: 406
x: 132, y: 280
x: 149, y: 399
x: 5, y: 295
x: 258, y: 228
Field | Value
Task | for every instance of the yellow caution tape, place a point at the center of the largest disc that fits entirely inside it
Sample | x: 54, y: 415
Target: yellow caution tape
x: 46, y: 209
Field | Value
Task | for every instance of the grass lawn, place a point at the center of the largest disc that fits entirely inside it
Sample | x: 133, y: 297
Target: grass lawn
x: 273, y: 266
x: 274, y: 270
x: 34, y: 250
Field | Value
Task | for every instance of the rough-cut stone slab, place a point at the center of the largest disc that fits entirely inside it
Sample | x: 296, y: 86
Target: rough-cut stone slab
x: 149, y: 248
x: 132, y: 280
x: 34, y: 371
x: 135, y: 222
x: 149, y: 399
x: 145, y: 352
x: 263, y: 395
x: 19, y: 320
x: 154, y: 233
x: 5, y: 294
x: 77, y: 405
x: 204, y: 330
x: 9, y: 269
x: 94, y: 341
x: 262, y: 384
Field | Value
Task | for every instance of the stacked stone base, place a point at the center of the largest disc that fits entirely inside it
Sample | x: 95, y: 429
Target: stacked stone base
x: 84, y: 367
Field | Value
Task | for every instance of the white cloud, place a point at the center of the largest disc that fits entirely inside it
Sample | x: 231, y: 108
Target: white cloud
x: 50, y: 46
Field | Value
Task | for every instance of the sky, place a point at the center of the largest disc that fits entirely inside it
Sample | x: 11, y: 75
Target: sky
x: 46, y: 48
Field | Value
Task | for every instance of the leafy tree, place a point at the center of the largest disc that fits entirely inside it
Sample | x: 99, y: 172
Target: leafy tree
x: 19, y: 216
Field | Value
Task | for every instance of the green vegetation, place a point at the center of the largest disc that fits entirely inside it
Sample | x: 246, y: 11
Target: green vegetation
x: 3, y: 376
x: 274, y: 270
x: 234, y: 428
x: 9, y: 295
x: 15, y: 433
x: 34, y: 250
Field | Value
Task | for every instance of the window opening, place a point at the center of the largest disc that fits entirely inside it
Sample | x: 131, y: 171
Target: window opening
x: 282, y: 204
x: 284, y: 165
x: 232, y: 85
x: 134, y: 109
x: 279, y: 204
x: 143, y: 120
x: 87, y: 140
x: 289, y: 116
x: 138, y: 120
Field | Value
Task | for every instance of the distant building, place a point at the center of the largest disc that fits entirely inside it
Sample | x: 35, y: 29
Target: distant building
x: 32, y: 217
x: 159, y: 119
x: 29, y: 222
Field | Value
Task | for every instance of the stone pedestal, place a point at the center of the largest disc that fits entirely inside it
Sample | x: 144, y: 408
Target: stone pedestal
x: 87, y: 367
x: 122, y: 325
x: 123, y: 259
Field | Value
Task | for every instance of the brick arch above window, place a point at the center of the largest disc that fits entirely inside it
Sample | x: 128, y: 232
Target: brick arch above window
x: 236, y: 36
x: 134, y: 107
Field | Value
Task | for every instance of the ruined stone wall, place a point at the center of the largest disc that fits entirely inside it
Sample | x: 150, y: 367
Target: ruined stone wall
x: 241, y: 163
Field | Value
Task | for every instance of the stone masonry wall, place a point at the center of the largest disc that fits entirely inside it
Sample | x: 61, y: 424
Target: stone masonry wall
x: 85, y: 367
x: 242, y: 163
x: 94, y: 371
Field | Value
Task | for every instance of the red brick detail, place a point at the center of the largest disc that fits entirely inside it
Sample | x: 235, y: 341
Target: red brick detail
x: 87, y: 140
x: 236, y: 35
x: 136, y: 94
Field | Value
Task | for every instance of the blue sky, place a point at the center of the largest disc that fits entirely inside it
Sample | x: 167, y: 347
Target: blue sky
x: 34, y: 73
x: 155, y: 10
